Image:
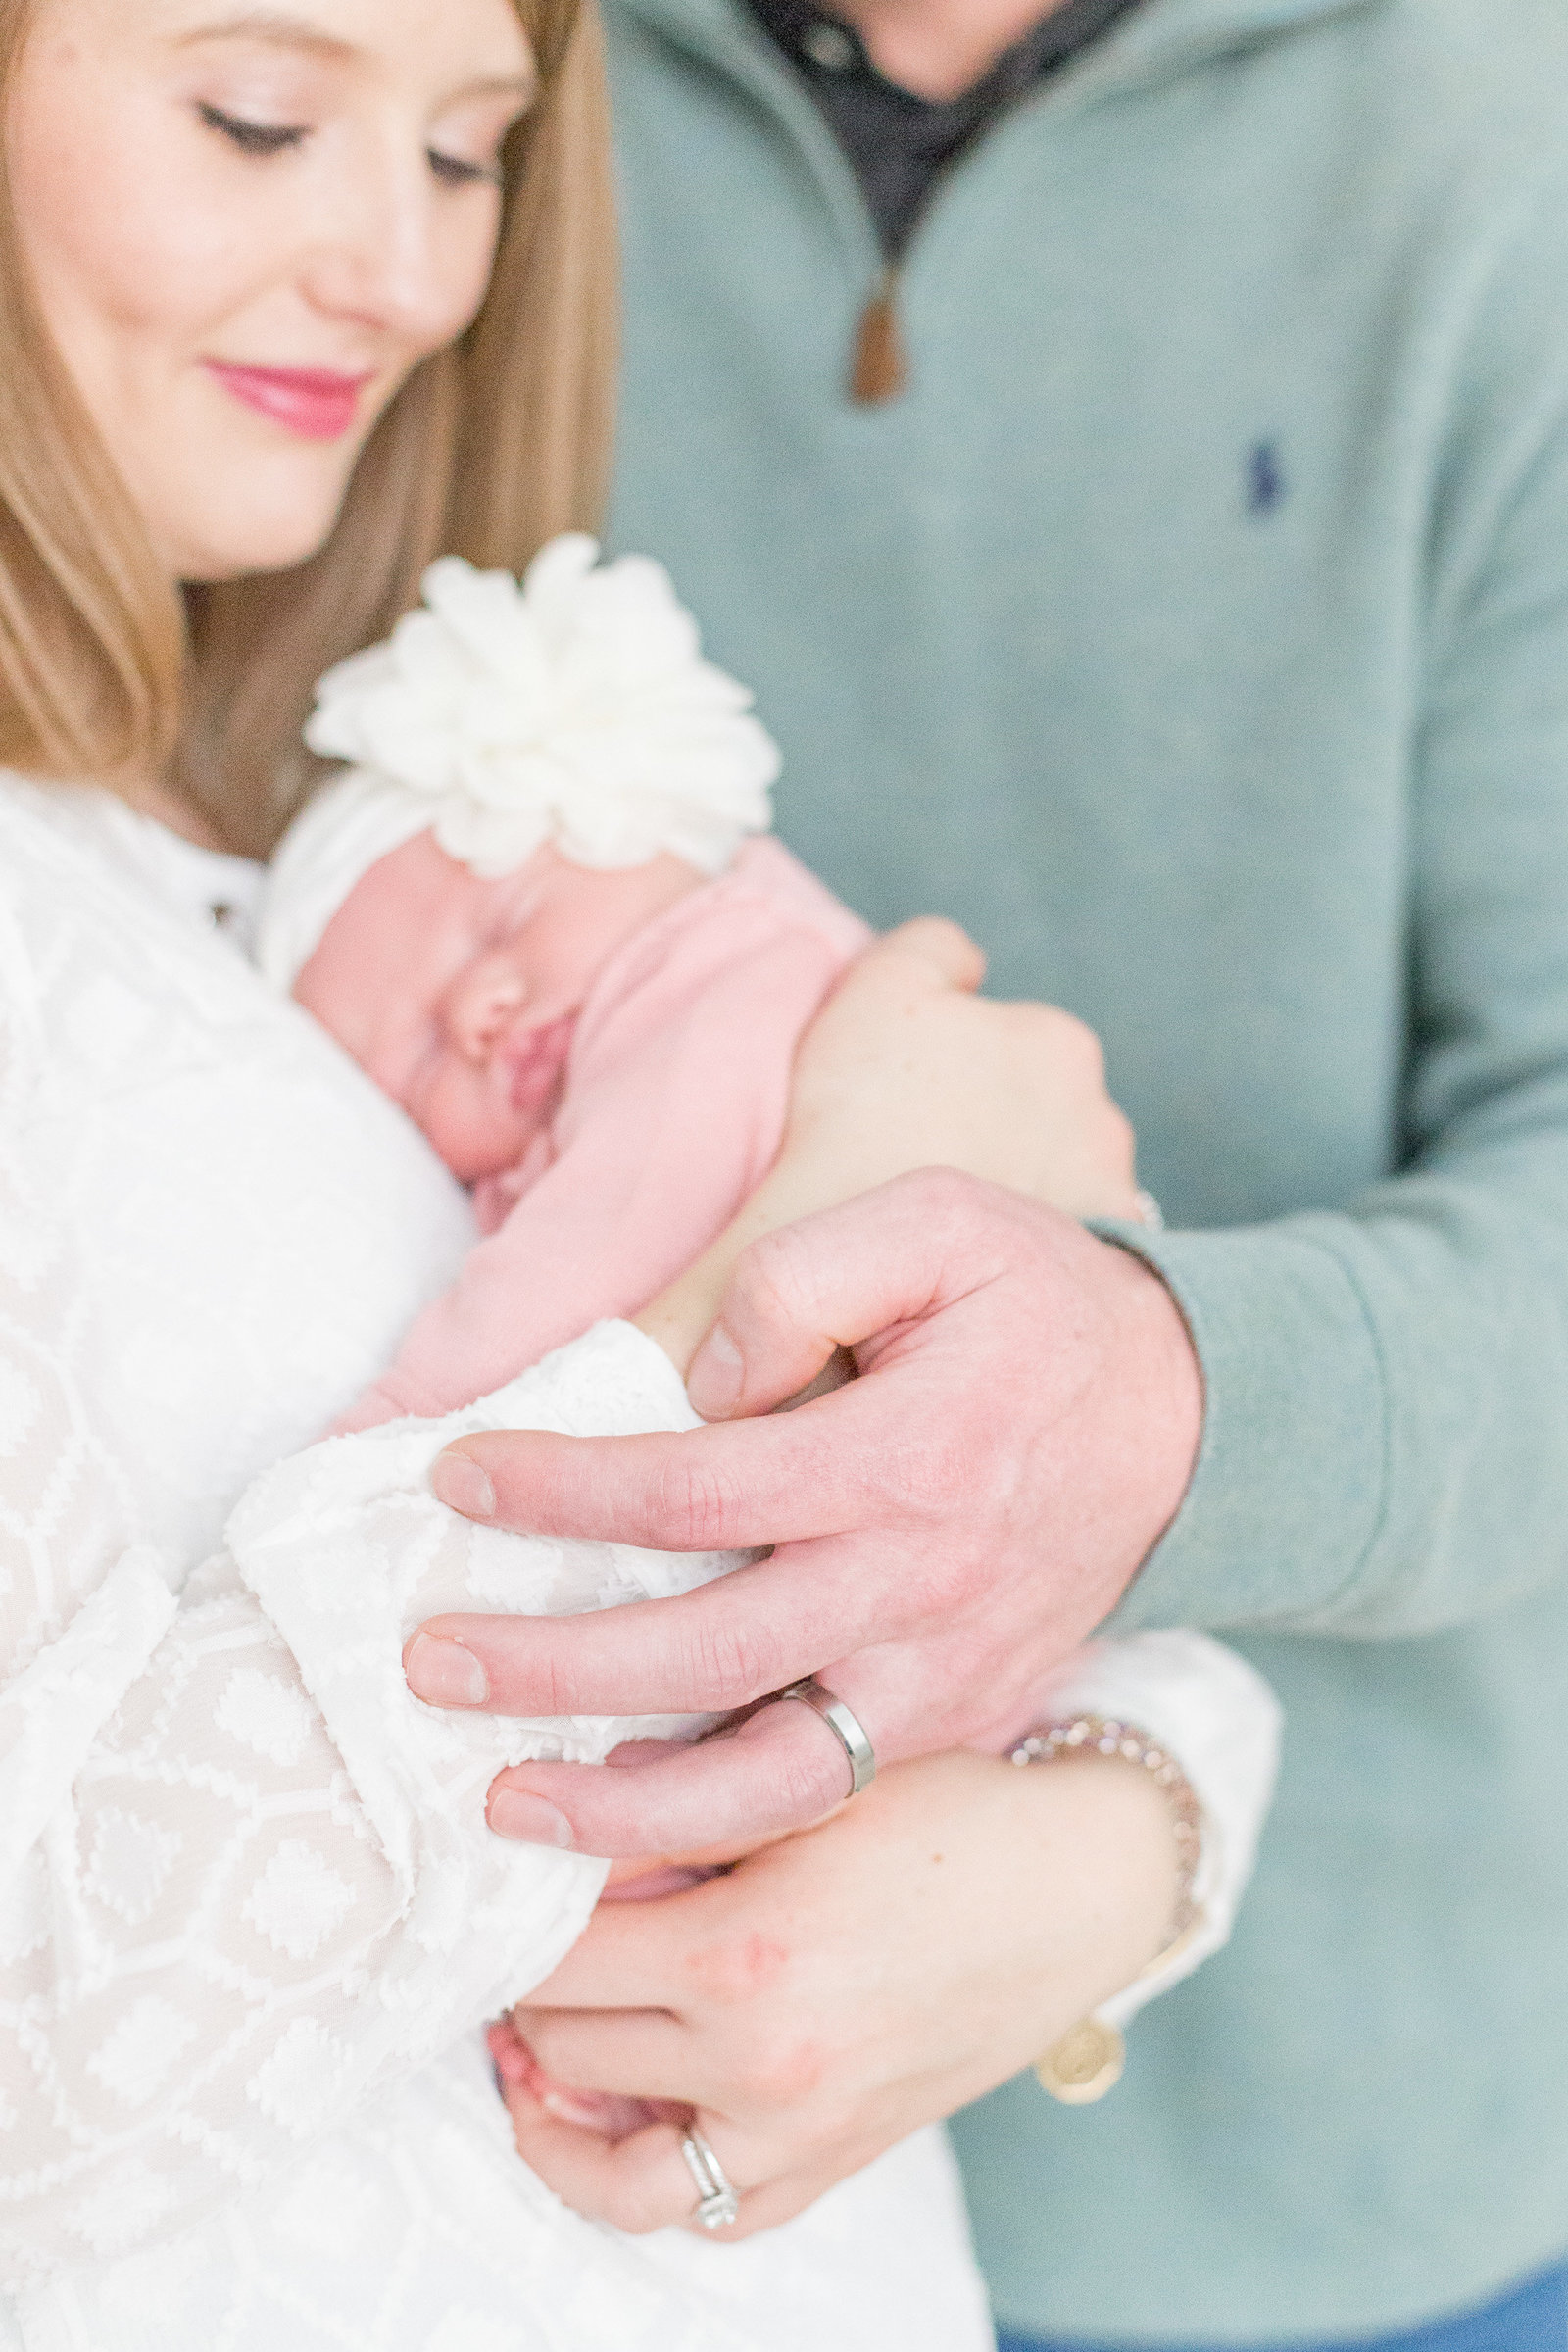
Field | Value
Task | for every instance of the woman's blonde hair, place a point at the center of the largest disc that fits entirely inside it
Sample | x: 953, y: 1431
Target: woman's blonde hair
x: 490, y: 448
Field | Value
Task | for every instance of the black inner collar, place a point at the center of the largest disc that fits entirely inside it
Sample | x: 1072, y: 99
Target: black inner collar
x: 896, y: 142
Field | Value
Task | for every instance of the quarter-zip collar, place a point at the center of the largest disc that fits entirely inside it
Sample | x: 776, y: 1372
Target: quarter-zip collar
x: 900, y: 142
x: 1160, y: 38
x: 1159, y: 41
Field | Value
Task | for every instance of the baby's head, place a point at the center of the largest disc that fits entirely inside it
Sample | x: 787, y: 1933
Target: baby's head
x: 539, y: 771
x: 459, y: 994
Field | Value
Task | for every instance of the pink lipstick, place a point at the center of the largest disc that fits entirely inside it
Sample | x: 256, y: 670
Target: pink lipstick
x: 312, y: 401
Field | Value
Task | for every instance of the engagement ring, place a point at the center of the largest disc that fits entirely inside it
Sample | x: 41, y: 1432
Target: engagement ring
x: 717, y: 2205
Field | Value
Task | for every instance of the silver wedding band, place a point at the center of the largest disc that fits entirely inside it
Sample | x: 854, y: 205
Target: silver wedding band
x: 717, y: 2205
x: 845, y: 1724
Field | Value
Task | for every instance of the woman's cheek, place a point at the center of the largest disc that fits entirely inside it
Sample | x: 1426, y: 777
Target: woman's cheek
x: 470, y: 240
x: 120, y: 214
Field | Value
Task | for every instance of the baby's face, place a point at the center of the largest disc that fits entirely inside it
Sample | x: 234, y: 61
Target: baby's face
x: 459, y: 995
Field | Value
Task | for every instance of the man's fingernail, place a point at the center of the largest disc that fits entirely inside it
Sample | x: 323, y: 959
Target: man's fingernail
x: 717, y: 1373
x: 457, y: 1481
x: 445, y: 1674
x: 514, y: 1813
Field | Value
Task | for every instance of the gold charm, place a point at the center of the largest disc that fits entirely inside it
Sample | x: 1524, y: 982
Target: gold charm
x: 1084, y: 2065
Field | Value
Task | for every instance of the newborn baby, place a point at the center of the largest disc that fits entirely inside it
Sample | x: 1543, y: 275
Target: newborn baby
x: 554, y: 937
x: 603, y: 1055
x: 544, y: 914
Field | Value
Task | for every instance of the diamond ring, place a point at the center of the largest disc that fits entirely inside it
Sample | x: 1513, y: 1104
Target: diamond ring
x: 717, y: 2204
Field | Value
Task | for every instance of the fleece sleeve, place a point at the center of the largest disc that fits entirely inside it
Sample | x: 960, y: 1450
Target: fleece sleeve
x: 1385, y: 1450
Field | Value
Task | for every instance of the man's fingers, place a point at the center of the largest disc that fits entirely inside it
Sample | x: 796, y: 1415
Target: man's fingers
x: 699, y: 1490
x: 832, y: 1281
x: 781, y: 1770
x: 703, y: 1654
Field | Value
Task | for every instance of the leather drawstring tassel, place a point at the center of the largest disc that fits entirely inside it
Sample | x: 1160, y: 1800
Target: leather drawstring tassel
x: 881, y: 370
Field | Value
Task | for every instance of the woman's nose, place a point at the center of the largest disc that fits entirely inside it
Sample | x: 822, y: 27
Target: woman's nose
x: 481, y: 1005
x: 384, y: 256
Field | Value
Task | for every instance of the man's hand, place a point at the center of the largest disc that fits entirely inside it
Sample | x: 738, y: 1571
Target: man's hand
x: 945, y: 1529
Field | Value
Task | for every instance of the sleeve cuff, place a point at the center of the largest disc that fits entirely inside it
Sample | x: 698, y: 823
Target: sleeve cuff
x: 1220, y: 1720
x: 1288, y: 1490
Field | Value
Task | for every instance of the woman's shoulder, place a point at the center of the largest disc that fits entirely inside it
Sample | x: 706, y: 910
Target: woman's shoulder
x: 31, y: 885
x: 107, y: 941
x: 72, y: 841
x: 57, y: 865
x: 49, y: 826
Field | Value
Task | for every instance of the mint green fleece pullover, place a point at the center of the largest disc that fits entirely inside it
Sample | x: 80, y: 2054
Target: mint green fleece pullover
x: 1196, y: 630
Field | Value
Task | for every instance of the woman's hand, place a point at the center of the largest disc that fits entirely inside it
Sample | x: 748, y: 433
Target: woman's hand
x: 904, y: 1068
x: 839, y: 1990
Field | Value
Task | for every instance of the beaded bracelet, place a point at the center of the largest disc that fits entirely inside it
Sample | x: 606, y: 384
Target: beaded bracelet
x: 1088, y: 2061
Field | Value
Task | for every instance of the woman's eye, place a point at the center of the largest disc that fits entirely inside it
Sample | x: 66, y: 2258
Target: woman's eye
x: 252, y: 138
x: 455, y: 172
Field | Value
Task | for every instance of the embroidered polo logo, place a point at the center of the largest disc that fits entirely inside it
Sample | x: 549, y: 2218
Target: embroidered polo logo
x: 1266, y: 486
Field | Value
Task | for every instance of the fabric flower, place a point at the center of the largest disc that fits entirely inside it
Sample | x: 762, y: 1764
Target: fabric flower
x: 574, y: 708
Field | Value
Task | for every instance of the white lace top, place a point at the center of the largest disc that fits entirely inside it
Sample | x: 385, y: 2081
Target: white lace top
x: 246, y: 1892
x: 249, y: 1910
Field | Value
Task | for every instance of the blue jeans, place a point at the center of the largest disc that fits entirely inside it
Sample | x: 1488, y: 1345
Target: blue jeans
x: 1532, y: 2318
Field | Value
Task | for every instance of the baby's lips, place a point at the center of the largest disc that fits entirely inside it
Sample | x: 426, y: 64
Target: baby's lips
x: 535, y: 1061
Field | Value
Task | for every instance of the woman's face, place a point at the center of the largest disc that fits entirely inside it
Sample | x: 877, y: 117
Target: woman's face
x: 246, y: 225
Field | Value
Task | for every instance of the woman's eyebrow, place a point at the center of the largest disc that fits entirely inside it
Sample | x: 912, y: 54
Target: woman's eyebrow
x: 287, y: 32
x: 275, y: 26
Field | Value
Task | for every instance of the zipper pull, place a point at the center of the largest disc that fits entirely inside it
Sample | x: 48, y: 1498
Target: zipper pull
x: 881, y: 369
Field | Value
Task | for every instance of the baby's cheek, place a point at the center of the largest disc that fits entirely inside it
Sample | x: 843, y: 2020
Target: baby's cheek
x: 476, y: 1135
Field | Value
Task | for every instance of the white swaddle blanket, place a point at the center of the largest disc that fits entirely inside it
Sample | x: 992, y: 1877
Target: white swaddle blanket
x: 347, y: 1550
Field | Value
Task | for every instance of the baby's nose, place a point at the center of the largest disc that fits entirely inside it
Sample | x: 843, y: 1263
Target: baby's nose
x: 483, y: 1004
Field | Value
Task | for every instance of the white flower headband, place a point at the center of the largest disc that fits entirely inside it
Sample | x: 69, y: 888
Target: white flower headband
x: 574, y: 709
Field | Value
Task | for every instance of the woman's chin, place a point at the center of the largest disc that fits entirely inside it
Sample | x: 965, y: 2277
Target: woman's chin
x: 280, y: 537
x: 249, y: 557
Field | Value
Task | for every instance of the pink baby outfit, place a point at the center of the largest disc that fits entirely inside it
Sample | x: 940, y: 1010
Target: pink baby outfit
x: 672, y: 1110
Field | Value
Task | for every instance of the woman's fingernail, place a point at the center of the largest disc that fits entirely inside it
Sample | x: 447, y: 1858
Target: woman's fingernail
x: 717, y: 1375
x: 457, y: 1481
x: 514, y: 1813
x: 445, y: 1674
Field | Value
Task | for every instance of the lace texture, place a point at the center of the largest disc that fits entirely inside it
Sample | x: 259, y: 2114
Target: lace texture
x: 246, y: 1894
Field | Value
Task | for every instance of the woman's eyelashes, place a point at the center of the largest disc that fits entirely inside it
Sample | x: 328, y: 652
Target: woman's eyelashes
x: 252, y: 138
x: 264, y: 139
x: 457, y: 171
